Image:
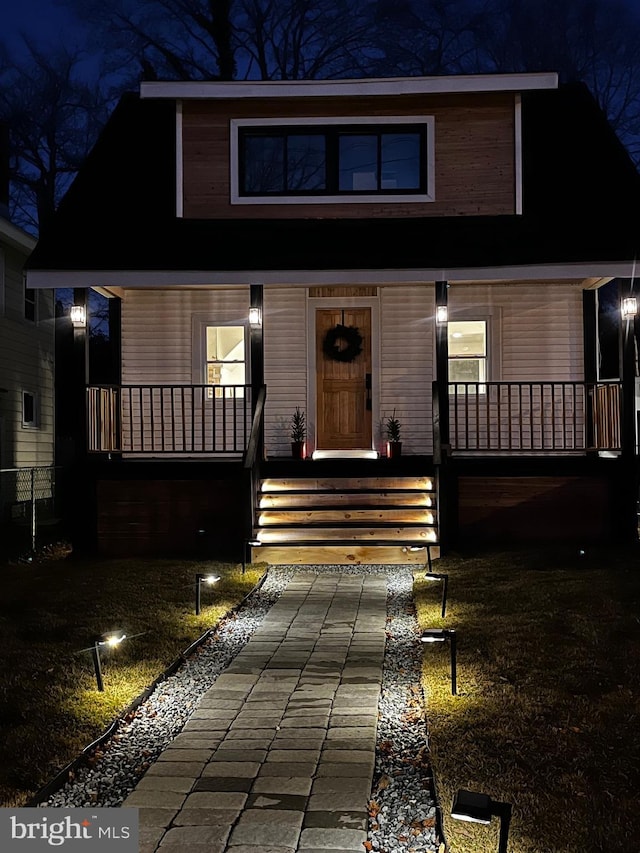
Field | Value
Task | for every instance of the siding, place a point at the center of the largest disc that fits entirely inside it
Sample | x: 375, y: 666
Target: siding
x: 26, y: 363
x: 474, y: 154
x: 285, y: 357
x: 407, y: 362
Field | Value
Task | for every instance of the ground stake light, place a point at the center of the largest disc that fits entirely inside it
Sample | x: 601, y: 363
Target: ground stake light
x: 413, y: 549
x: 443, y: 635
x: 433, y: 576
x: 248, y: 543
x: 480, y: 808
x: 200, y: 579
x: 111, y: 641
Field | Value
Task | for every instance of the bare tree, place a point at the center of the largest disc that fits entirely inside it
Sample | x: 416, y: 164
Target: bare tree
x: 54, y: 115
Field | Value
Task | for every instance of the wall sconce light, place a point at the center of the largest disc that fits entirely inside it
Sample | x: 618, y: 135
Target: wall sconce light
x: 442, y: 314
x: 248, y: 543
x: 201, y: 578
x: 111, y: 641
x: 442, y: 635
x: 78, y: 315
x: 255, y: 316
x: 431, y: 576
x: 629, y: 306
x: 480, y: 808
x: 413, y: 549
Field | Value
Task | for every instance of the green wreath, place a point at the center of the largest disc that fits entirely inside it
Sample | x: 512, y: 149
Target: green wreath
x: 342, y: 343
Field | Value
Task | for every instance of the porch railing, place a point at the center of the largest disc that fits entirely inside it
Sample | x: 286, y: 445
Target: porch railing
x: 169, y: 419
x: 534, y: 417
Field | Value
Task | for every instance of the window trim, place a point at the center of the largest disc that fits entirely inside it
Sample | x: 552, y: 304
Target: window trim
x: 35, y: 423
x: 380, y: 123
x: 492, y: 317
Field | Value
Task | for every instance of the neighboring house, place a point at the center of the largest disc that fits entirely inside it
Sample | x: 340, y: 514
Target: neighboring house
x: 26, y: 368
x: 460, y: 225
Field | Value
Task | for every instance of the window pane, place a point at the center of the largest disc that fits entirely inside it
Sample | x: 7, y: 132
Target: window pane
x: 358, y: 163
x: 28, y: 408
x: 467, y: 338
x: 400, y: 161
x: 225, y: 343
x: 263, y: 164
x: 306, y: 162
x: 467, y: 370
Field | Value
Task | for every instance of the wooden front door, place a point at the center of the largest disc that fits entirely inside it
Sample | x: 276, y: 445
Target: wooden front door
x: 343, y: 388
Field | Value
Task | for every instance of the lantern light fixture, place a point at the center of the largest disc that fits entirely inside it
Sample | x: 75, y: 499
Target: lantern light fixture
x: 255, y: 316
x: 442, y: 314
x: 78, y: 315
x: 474, y: 807
x: 629, y: 306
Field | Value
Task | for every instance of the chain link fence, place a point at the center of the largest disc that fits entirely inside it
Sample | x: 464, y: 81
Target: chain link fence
x: 30, y: 508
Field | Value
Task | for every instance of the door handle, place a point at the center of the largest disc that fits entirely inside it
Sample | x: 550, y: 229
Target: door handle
x: 367, y: 385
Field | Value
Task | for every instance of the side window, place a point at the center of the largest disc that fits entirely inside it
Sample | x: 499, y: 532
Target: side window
x: 468, y: 354
x: 29, y: 410
x: 225, y: 359
x: 30, y: 296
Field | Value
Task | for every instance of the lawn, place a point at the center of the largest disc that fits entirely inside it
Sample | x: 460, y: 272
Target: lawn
x: 50, y: 610
x: 547, y: 715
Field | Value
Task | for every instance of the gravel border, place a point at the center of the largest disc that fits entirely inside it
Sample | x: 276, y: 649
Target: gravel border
x: 404, y: 815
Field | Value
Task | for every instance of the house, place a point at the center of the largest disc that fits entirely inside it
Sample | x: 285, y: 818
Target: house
x: 26, y: 373
x: 424, y: 248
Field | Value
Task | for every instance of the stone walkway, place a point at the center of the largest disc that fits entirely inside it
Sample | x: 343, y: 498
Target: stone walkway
x: 279, y: 755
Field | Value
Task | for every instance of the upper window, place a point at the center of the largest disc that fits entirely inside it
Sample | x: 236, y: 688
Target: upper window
x: 468, y: 353
x: 321, y: 160
x: 29, y: 303
x: 29, y: 409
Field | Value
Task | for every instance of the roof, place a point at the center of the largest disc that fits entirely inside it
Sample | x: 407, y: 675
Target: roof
x: 15, y: 237
x: 581, y: 197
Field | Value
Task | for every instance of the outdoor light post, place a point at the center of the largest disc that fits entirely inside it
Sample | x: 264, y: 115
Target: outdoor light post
x: 112, y: 640
x: 442, y: 635
x: 480, y: 808
x: 200, y: 579
x: 413, y: 548
x: 248, y: 543
x: 434, y: 576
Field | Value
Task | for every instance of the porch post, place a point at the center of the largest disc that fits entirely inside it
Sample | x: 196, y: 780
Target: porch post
x: 442, y: 363
x: 256, y: 338
x: 115, y: 339
x: 441, y: 446
x: 590, y: 356
x: 627, y: 375
x: 81, y: 500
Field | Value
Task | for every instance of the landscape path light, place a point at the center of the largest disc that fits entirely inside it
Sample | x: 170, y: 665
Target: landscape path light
x: 480, y: 808
x: 412, y: 548
x: 201, y: 578
x: 111, y: 641
x: 248, y: 543
x: 443, y: 635
x: 434, y: 576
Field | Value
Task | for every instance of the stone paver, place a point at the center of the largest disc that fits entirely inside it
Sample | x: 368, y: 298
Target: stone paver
x: 278, y: 757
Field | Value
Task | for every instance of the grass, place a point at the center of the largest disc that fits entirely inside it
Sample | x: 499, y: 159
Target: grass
x: 548, y: 707
x: 50, y: 610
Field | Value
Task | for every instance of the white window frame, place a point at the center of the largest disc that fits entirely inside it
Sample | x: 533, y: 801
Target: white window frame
x: 199, y: 362
x: 378, y: 121
x: 492, y: 317
x: 35, y: 422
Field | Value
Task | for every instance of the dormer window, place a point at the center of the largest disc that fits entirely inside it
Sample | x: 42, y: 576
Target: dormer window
x: 331, y: 160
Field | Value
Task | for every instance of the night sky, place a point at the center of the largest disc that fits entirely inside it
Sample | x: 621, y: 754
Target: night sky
x: 48, y: 21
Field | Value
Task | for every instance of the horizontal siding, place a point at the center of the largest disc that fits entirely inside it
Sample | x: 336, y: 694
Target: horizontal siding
x: 406, y: 365
x: 157, y: 335
x: 285, y: 356
x: 26, y: 364
x: 474, y: 154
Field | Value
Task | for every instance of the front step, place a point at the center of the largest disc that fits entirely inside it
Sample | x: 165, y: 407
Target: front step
x: 347, y: 520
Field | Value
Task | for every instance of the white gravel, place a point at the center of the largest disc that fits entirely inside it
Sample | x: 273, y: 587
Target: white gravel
x: 404, y: 811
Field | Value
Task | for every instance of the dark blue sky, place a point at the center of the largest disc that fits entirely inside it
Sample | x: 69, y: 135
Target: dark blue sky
x: 48, y: 21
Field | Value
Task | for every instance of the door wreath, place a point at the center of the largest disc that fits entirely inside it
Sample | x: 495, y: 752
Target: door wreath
x: 342, y: 343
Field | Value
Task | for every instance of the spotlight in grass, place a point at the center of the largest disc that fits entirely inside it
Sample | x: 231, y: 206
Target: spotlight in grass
x: 248, y: 543
x: 434, y: 576
x: 444, y: 635
x: 201, y: 578
x: 480, y: 808
x: 412, y: 548
x: 112, y: 640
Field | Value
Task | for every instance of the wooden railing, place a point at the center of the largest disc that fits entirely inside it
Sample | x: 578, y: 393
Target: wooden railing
x: 169, y: 419
x: 534, y: 417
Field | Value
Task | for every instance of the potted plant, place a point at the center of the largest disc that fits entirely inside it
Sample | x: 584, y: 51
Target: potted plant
x: 392, y: 427
x: 298, y: 433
